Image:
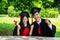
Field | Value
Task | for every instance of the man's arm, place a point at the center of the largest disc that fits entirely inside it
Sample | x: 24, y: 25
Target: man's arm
x: 51, y: 26
x: 53, y: 30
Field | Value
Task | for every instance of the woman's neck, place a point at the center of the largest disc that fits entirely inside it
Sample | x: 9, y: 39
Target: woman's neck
x: 25, y: 24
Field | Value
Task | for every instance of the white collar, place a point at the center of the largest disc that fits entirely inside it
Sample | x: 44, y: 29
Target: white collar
x: 25, y: 25
x: 39, y: 21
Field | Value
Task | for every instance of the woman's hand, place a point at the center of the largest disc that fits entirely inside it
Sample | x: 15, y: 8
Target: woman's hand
x: 15, y: 21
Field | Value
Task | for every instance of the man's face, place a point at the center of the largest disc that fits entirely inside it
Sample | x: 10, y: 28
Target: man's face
x: 36, y: 16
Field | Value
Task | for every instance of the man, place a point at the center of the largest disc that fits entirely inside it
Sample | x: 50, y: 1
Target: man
x: 41, y: 27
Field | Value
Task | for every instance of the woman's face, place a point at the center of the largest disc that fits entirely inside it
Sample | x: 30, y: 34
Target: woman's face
x: 25, y: 20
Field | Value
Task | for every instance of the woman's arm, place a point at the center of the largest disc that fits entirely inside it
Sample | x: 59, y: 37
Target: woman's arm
x: 18, y: 29
x: 31, y: 30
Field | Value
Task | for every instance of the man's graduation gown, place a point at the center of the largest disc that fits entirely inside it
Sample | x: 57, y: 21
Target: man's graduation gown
x: 43, y: 29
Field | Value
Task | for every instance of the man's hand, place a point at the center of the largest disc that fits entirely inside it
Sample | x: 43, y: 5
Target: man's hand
x: 47, y: 21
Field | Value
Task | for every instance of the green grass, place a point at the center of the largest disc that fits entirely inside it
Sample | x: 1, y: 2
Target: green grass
x: 7, y: 25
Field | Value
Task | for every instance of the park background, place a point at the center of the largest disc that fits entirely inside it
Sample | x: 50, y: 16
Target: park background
x: 9, y: 9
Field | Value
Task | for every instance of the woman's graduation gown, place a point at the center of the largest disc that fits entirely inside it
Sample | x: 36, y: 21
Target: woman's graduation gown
x: 24, y: 31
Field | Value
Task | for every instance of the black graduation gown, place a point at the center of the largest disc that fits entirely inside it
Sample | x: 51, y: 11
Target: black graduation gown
x: 24, y: 30
x: 45, y: 31
x: 15, y: 31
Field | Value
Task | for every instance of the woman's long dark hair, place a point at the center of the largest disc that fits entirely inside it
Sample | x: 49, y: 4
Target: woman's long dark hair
x: 21, y: 22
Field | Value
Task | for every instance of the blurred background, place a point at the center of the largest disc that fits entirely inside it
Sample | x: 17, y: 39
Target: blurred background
x: 9, y: 9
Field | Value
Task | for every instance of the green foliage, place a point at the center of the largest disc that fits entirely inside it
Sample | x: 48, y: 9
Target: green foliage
x: 22, y: 5
x: 47, y: 3
x: 49, y: 13
x: 12, y: 12
x: 37, y: 3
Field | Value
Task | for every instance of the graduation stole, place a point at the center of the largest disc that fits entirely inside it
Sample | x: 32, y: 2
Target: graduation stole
x: 25, y: 31
x: 39, y: 30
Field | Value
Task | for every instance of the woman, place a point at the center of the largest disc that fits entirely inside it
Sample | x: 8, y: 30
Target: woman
x: 23, y: 27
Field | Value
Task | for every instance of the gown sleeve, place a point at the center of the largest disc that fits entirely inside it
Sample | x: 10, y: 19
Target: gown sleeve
x: 15, y: 31
x: 53, y: 29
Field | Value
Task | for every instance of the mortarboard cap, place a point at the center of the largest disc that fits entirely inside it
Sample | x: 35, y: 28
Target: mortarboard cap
x: 34, y: 10
x: 22, y: 14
